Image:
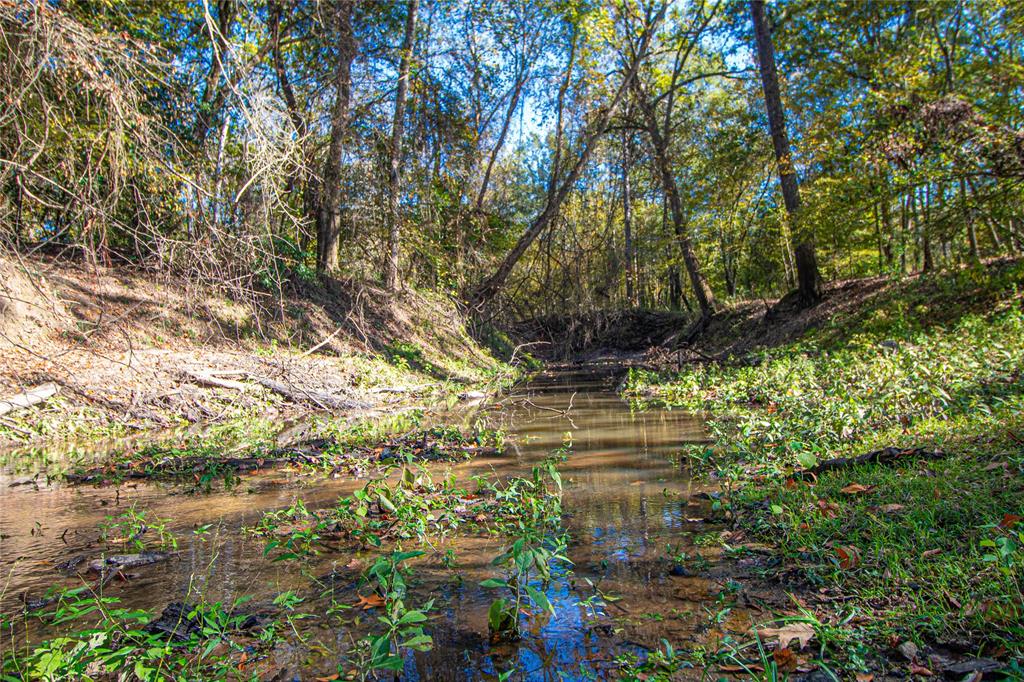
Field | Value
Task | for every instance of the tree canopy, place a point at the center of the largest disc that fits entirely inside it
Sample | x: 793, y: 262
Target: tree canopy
x: 529, y: 155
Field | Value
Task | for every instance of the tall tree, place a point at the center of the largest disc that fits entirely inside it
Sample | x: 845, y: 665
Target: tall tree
x: 328, y: 231
x: 600, y: 121
x: 808, y: 278
x: 391, y: 274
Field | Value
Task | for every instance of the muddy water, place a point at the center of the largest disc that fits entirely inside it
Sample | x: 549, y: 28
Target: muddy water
x: 629, y: 504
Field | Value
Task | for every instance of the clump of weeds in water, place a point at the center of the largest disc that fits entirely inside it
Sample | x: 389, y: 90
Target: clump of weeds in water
x: 923, y: 549
x: 402, y: 623
x: 414, y: 507
x: 660, y: 665
x: 122, y: 643
x: 131, y: 528
x: 538, y: 543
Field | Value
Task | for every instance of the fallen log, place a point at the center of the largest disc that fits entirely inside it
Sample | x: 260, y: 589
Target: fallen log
x: 888, y: 455
x: 210, y: 378
x: 327, y: 401
x: 27, y: 398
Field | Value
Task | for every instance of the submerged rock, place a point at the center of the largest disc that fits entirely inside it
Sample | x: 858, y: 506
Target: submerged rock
x: 119, y: 562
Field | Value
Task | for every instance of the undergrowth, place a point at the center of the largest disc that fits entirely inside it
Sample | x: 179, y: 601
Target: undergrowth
x: 927, y: 549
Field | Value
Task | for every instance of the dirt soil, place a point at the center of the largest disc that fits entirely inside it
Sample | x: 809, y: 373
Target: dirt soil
x: 136, y: 350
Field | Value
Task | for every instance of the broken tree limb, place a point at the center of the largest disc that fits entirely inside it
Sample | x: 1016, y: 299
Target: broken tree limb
x: 327, y: 401
x: 27, y: 398
x: 215, y: 379
x: 888, y: 455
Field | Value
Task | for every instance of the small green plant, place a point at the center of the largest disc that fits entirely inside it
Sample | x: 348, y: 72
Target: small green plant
x: 132, y: 528
x: 403, y: 625
x: 527, y: 561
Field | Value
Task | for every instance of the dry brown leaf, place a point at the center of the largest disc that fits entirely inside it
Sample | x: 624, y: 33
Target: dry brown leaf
x: 890, y: 508
x: 785, y: 660
x: 864, y: 677
x: 371, y: 602
x: 856, y: 489
x: 920, y: 670
x: 849, y: 556
x: 803, y: 633
x: 1009, y: 520
x: 930, y: 552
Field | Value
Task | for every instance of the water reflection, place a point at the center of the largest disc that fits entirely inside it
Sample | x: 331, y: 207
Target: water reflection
x: 625, y: 500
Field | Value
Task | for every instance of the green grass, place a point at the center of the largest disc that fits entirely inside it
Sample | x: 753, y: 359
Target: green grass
x: 928, y: 552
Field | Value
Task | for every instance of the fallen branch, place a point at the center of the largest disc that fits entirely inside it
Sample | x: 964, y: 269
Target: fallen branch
x: 32, y: 396
x: 215, y: 379
x: 888, y: 455
x: 327, y: 401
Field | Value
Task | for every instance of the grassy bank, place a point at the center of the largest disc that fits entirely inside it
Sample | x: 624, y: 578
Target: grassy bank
x: 926, y: 549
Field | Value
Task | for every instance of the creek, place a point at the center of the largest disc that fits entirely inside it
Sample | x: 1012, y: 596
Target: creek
x: 629, y: 507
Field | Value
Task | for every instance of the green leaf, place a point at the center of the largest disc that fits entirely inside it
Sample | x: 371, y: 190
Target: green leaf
x: 492, y: 583
x: 410, y: 618
x: 807, y: 459
x: 540, y: 599
x: 419, y: 643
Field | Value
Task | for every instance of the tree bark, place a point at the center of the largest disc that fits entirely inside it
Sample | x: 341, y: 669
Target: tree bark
x: 627, y: 220
x: 391, y: 275
x: 808, y: 277
x: 328, y: 231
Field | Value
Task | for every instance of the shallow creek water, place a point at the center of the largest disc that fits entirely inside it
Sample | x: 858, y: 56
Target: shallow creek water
x: 627, y: 499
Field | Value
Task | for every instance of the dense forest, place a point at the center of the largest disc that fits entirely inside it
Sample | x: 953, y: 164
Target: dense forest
x: 494, y: 340
x: 555, y: 156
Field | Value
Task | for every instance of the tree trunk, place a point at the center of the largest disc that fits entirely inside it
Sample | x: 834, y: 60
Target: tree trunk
x: 972, y: 235
x: 486, y: 291
x: 302, y: 175
x: 209, y: 102
x: 705, y: 297
x: 809, y: 280
x: 517, y: 91
x: 391, y: 278
x: 328, y: 230
x: 627, y: 222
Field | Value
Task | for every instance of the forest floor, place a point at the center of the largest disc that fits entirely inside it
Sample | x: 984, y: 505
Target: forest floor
x: 131, y: 351
x: 875, y: 445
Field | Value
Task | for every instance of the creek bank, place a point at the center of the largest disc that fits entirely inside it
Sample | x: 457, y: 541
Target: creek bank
x: 130, y: 351
x: 878, y: 455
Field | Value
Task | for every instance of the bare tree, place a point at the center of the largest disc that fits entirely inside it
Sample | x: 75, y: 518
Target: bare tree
x: 486, y: 290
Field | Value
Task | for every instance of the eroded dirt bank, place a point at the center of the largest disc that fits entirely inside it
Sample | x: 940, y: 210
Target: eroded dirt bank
x: 129, y: 351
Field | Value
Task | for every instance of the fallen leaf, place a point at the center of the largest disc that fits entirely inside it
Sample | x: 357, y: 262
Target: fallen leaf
x: 890, y: 508
x: 1009, y: 521
x: 785, y: 660
x: 329, y: 678
x: 849, y: 556
x: 803, y: 633
x: 930, y: 552
x: 920, y: 670
x: 829, y: 510
x: 856, y: 488
x: 864, y: 677
x: 373, y: 601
